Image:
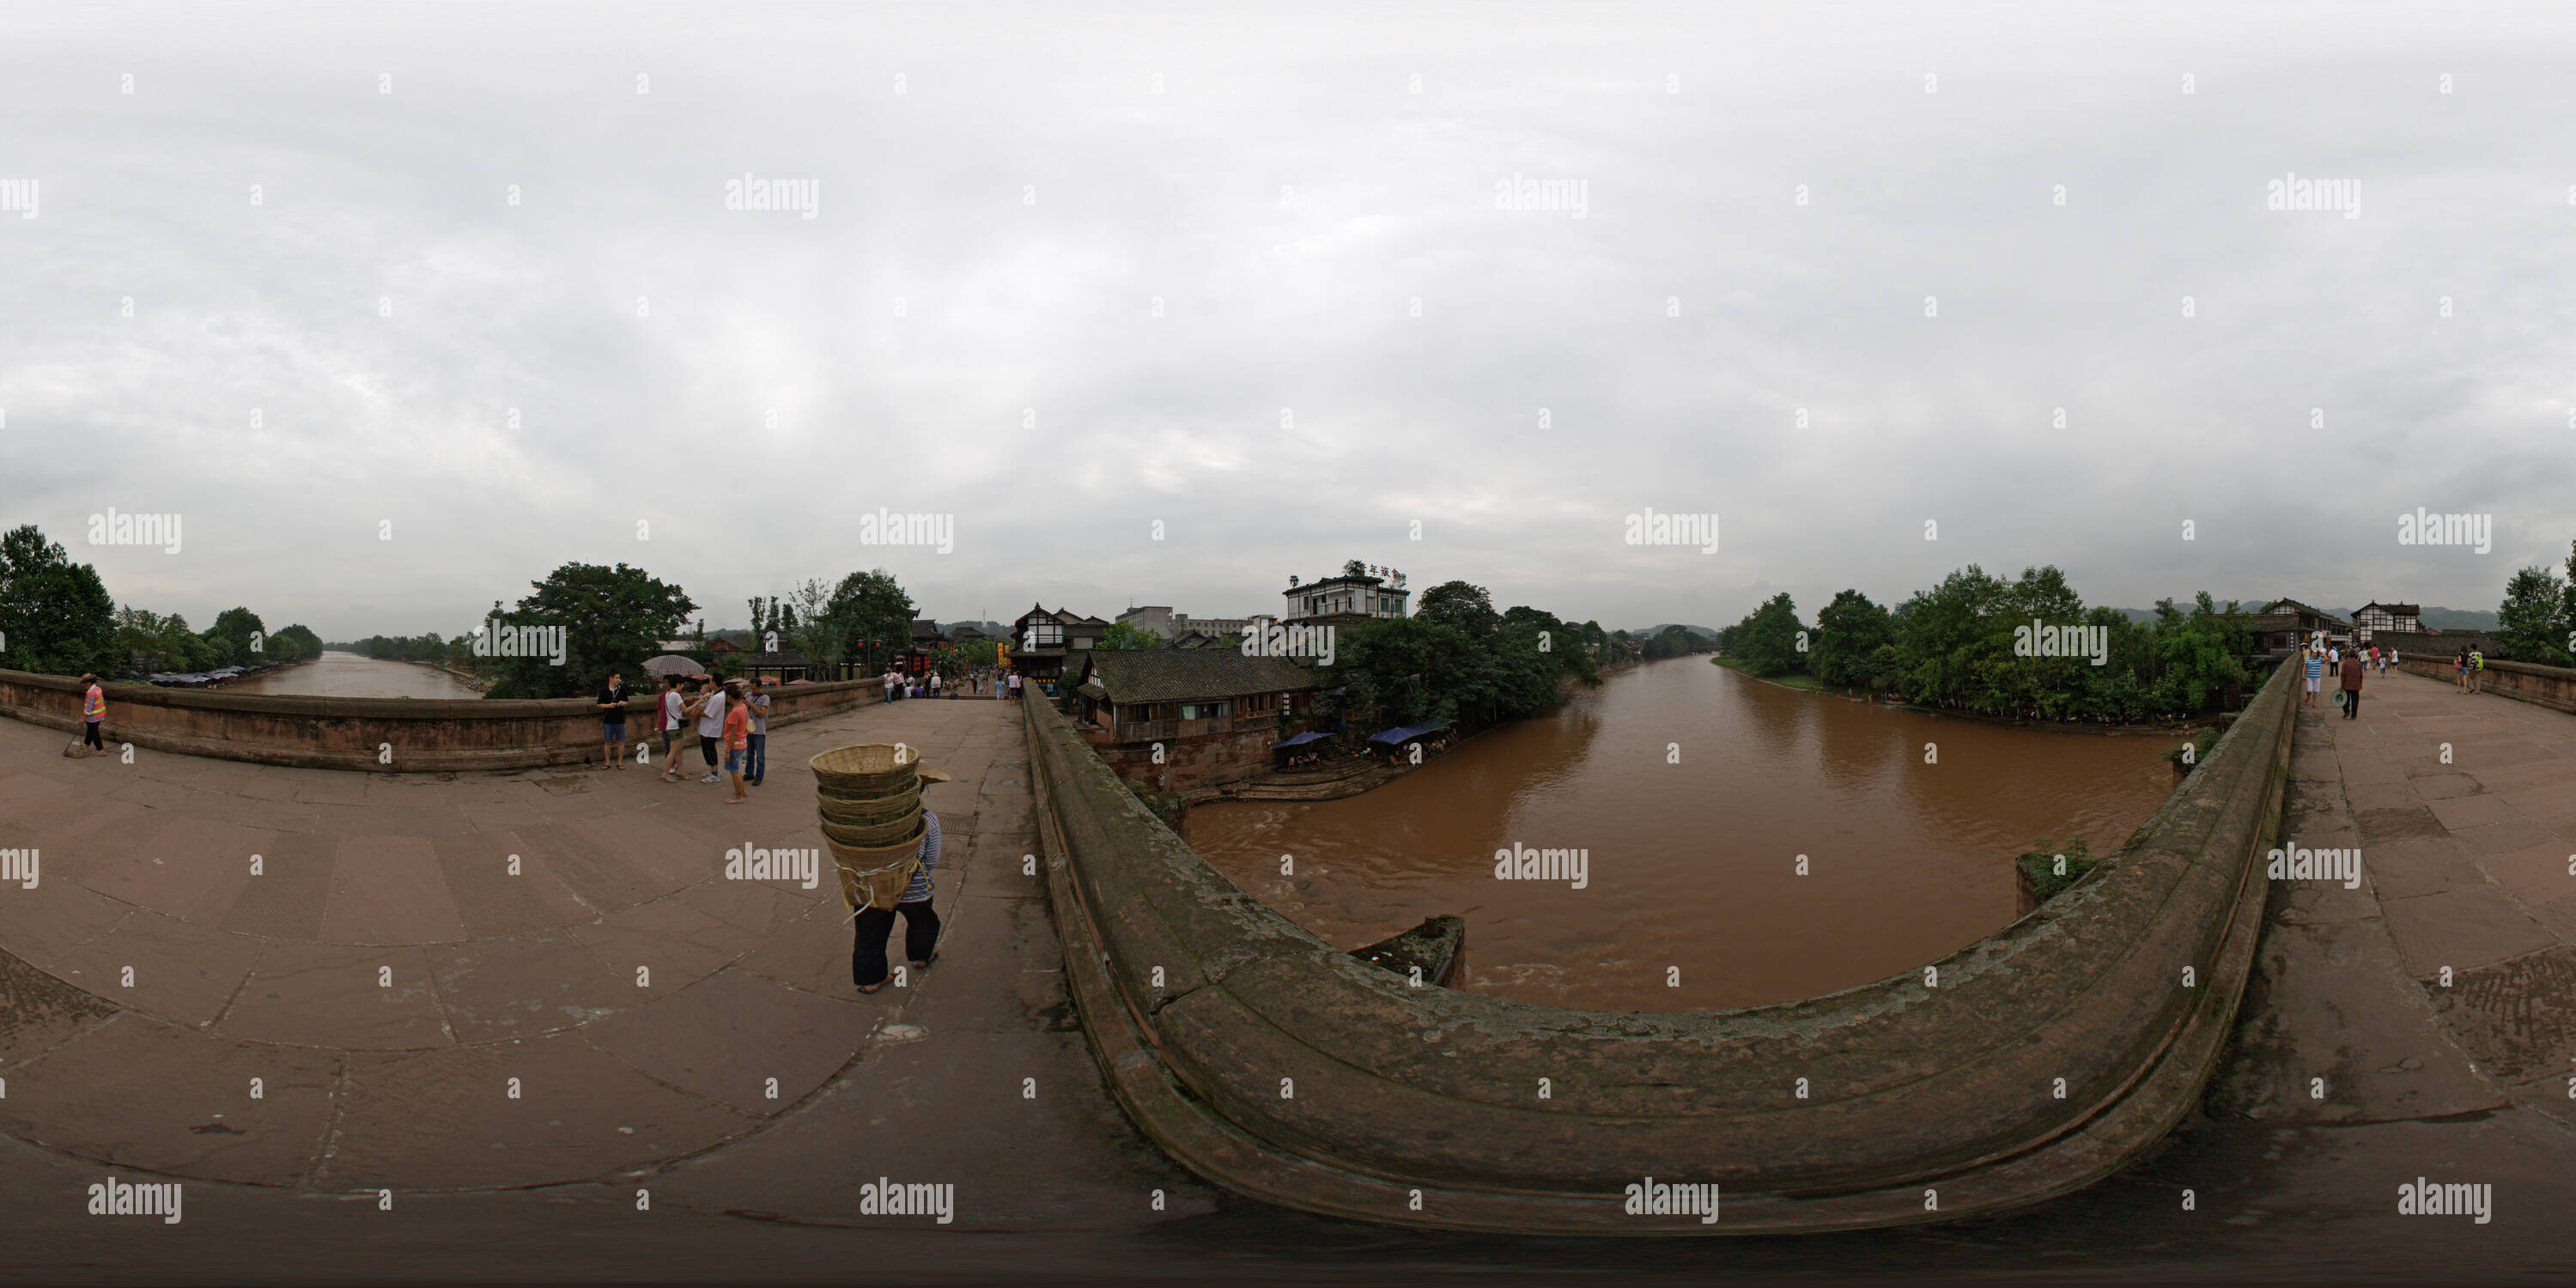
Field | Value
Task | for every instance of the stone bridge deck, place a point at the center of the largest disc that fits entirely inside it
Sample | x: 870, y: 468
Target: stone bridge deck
x: 2444, y: 982
x: 386, y: 979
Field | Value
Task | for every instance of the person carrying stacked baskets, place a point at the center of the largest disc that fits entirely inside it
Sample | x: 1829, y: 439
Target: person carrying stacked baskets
x: 886, y: 847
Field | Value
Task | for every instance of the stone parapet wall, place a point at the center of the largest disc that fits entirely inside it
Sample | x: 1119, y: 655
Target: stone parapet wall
x: 361, y: 733
x: 2547, y: 686
x: 2026, y: 1065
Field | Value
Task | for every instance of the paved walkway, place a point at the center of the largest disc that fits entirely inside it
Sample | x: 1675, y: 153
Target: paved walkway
x: 469, y: 982
x: 2445, y: 983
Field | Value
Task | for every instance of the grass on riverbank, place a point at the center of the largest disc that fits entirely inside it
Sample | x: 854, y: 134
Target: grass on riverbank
x: 1793, y: 681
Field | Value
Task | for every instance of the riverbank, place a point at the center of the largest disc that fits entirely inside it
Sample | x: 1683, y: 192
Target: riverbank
x: 475, y: 682
x: 1803, y: 683
x: 1810, y: 684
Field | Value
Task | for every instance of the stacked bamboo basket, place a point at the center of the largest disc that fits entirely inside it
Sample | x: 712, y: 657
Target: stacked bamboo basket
x: 869, y: 799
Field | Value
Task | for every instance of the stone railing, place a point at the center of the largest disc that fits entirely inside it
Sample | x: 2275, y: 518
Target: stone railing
x: 385, y: 735
x: 2545, y: 686
x: 2026, y: 1065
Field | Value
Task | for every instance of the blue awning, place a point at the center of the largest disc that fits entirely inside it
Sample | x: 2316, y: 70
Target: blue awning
x: 1403, y: 734
x: 1302, y: 739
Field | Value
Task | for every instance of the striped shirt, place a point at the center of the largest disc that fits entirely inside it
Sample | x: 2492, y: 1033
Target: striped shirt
x: 919, y: 890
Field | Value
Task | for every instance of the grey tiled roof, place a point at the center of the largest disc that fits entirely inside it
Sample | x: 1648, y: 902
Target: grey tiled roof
x: 1188, y: 675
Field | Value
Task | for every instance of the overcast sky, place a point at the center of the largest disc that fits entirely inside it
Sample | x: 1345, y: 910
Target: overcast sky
x: 1004, y: 193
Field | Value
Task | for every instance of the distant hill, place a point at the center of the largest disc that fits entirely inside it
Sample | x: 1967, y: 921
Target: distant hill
x: 1659, y: 628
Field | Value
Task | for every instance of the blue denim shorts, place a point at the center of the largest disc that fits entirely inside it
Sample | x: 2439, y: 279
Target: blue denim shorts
x: 734, y: 759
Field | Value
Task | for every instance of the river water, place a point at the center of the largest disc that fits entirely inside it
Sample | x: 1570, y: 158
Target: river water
x: 1692, y: 866
x: 350, y: 675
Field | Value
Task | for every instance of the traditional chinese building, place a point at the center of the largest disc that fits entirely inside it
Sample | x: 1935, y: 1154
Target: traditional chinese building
x: 1214, y: 712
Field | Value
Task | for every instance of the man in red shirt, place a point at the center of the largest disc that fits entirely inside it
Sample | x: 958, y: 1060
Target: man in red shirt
x: 2352, y: 669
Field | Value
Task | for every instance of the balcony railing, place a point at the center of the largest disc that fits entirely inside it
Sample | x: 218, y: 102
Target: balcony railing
x: 1148, y: 730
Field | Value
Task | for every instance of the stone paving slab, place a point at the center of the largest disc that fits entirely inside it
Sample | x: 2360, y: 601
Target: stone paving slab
x: 445, y: 1120
x: 143, y: 1093
x: 729, y: 1038
x: 336, y: 996
x: 178, y: 971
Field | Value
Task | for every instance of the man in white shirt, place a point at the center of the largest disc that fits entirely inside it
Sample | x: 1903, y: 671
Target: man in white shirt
x: 675, y: 705
x: 711, y: 730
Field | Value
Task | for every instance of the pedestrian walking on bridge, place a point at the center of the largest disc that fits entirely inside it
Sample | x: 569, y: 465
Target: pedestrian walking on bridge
x: 2352, y: 671
x: 920, y: 920
x: 93, y: 716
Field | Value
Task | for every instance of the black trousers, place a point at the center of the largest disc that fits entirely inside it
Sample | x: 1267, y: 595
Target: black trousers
x: 875, y: 925
x: 707, y: 748
x: 95, y: 735
x: 2351, y: 703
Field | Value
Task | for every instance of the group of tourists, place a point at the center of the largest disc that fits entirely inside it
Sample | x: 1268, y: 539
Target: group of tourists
x: 2325, y: 658
x: 936, y: 684
x: 733, y: 713
x: 2348, y: 668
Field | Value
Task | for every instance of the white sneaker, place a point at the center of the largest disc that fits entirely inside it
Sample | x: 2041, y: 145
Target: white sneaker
x: 712, y: 777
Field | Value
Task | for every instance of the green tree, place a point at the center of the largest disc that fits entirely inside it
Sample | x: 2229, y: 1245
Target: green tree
x: 811, y: 628
x: 161, y: 643
x: 1456, y: 604
x: 1849, y: 633
x: 1128, y: 635
x: 1767, y: 639
x: 295, y: 643
x: 875, y: 616
x: 612, y: 619
x: 232, y: 635
x: 2200, y: 658
x: 2531, y: 623
x: 56, y: 617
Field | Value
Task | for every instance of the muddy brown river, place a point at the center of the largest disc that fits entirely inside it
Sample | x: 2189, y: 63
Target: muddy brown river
x: 350, y: 675
x: 1691, y: 868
